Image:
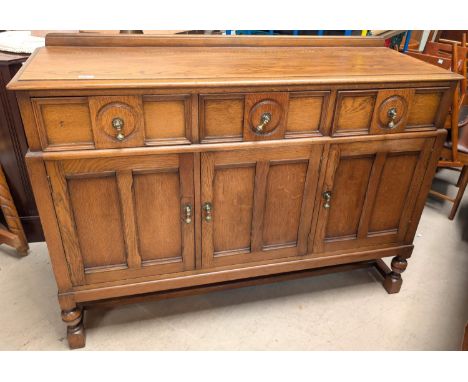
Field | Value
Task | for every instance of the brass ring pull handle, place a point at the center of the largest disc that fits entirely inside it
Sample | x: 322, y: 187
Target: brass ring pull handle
x: 207, y: 207
x: 264, y: 120
x: 392, y: 114
x: 187, y: 214
x: 118, y: 124
x: 327, y: 197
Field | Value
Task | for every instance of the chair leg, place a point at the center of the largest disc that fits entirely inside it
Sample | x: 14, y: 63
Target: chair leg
x: 461, y: 184
x: 465, y: 339
x: 11, y: 216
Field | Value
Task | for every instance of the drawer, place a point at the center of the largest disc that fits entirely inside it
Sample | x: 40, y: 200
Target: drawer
x: 261, y: 116
x: 73, y: 123
x: 388, y: 111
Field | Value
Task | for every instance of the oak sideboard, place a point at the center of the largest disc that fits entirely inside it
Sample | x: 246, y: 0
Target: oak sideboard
x: 174, y: 165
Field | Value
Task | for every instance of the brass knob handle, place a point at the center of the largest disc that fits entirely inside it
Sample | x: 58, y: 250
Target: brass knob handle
x: 392, y: 114
x: 265, y: 119
x: 118, y: 124
x: 327, y: 197
x: 207, y: 207
x: 187, y: 214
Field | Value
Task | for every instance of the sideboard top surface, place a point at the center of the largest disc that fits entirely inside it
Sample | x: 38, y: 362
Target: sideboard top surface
x: 68, y: 67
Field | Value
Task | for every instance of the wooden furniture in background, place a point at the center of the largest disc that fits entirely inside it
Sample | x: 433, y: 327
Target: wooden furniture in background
x: 171, y: 166
x: 12, y: 234
x: 450, y: 35
x: 458, y: 114
x: 455, y: 152
x: 13, y: 147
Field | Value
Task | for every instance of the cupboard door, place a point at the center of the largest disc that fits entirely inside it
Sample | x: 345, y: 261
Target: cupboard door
x: 257, y: 204
x: 369, y: 192
x: 125, y: 217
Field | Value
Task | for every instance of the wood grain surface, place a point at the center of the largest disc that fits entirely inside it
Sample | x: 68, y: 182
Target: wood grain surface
x: 94, y: 67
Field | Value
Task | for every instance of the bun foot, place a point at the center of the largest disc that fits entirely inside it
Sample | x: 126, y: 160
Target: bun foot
x: 393, y: 280
x: 76, y: 334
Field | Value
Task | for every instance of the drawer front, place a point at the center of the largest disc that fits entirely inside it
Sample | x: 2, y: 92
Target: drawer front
x: 261, y: 116
x: 96, y: 122
x: 389, y: 111
x: 75, y: 123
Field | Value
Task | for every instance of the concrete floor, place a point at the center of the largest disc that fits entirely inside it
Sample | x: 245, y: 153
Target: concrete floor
x: 345, y: 311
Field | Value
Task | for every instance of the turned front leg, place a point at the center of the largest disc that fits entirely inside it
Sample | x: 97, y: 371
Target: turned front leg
x: 75, y: 330
x: 393, y: 280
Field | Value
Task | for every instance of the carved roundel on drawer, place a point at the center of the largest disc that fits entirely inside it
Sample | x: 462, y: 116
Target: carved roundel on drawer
x: 392, y: 111
x: 117, y: 121
x: 265, y: 116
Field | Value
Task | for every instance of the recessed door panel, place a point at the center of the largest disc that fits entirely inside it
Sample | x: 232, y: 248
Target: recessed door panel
x: 95, y: 202
x: 284, y: 194
x: 391, y: 194
x: 349, y: 191
x: 158, y: 214
x: 233, y: 192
